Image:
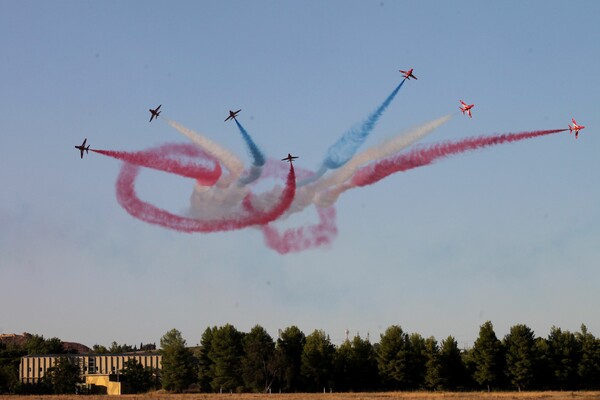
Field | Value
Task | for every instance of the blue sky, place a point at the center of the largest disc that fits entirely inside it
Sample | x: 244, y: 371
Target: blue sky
x: 508, y: 234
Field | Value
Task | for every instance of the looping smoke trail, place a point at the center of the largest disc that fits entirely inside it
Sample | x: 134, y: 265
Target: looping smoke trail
x: 233, y: 164
x: 303, y: 238
x: 296, y: 239
x: 425, y: 155
x: 158, y: 158
x: 144, y: 211
x: 343, y: 150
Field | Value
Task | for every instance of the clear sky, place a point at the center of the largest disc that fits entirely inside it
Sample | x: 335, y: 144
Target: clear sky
x: 509, y: 234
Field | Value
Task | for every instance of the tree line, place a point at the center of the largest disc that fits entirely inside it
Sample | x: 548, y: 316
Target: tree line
x: 228, y: 360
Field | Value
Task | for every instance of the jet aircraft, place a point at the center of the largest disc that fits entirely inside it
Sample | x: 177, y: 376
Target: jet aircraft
x: 408, y: 74
x: 83, y: 148
x: 575, y: 128
x: 155, y: 112
x: 466, y: 108
x: 289, y: 158
x: 232, y: 114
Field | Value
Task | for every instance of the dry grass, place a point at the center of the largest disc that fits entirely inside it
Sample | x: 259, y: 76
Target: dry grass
x: 334, y: 396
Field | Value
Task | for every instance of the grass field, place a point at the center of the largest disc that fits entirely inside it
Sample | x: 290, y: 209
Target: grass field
x: 333, y: 396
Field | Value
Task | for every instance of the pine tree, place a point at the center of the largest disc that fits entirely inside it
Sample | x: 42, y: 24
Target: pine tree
x: 178, y: 364
x: 288, y: 359
x: 205, y: 364
x: 317, y: 361
x: 520, y: 356
x: 259, y: 348
x: 226, y: 353
x: 563, y: 357
x: 393, y: 358
x: 589, y: 364
x: 433, y: 379
x: 488, y: 357
x: 452, y: 368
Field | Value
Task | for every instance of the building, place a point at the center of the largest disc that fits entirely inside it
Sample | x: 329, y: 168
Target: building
x: 96, y: 369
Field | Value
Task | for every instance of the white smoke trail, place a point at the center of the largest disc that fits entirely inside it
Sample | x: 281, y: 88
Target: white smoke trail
x: 387, y: 148
x: 233, y: 164
x: 325, y: 191
x: 327, y: 195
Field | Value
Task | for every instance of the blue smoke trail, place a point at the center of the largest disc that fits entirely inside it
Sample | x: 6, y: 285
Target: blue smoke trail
x: 345, y: 148
x: 257, y: 155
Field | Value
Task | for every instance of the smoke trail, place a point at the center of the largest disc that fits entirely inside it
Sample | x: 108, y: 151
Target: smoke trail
x: 299, y: 239
x: 339, y: 153
x: 128, y: 199
x: 428, y: 154
x: 259, y: 159
x: 345, y: 148
x: 233, y: 164
x: 158, y: 158
x: 387, y: 148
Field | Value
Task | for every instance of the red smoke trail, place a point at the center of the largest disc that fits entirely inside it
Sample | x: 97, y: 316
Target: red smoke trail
x: 424, y: 155
x: 144, y: 211
x: 158, y: 158
x: 299, y: 239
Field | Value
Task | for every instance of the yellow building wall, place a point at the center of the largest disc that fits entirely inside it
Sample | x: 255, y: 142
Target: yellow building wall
x: 112, y: 388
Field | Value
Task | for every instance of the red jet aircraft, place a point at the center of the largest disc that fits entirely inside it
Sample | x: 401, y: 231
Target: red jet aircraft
x: 575, y: 128
x: 232, y: 114
x: 466, y: 108
x: 155, y: 112
x: 289, y: 158
x: 408, y: 74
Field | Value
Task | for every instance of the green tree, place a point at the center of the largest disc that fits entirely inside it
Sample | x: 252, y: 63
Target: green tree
x: 543, y: 375
x: 488, y: 357
x: 10, y: 358
x: 452, y: 368
x: 355, y: 366
x: 393, y: 358
x: 288, y: 359
x: 563, y: 355
x: 99, y: 349
x: 178, y: 364
x: 363, y: 365
x: 116, y: 348
x: 206, y: 366
x: 317, y: 361
x: 64, y: 376
x: 137, y: 378
x: 520, y: 356
x: 257, y: 359
x: 432, y: 379
x: 36, y: 344
x: 589, y: 364
x: 417, y: 360
x: 226, y: 353
x: 342, y: 375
